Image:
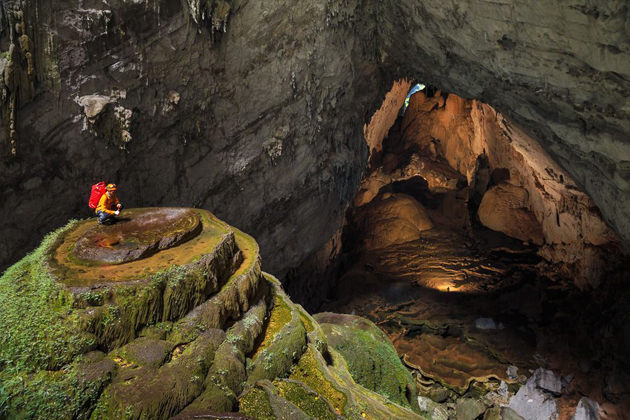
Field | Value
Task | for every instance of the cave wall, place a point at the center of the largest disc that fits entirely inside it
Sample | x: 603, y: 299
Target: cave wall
x: 255, y: 110
x: 239, y: 114
x: 575, y: 235
x: 384, y: 117
x: 561, y: 70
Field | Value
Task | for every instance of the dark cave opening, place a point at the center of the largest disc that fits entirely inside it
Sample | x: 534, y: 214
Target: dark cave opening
x: 457, y: 246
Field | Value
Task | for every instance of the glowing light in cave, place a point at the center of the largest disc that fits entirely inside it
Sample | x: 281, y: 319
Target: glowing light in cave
x: 445, y: 287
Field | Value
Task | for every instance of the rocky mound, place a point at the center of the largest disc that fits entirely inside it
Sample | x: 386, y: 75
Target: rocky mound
x: 392, y: 219
x: 504, y: 209
x: 194, y: 328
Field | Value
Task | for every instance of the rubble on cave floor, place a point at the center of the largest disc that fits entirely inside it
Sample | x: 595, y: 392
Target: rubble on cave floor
x: 469, y: 314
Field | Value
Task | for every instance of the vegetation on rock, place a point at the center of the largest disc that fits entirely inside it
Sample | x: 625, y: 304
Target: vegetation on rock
x: 372, y: 360
x: 189, y: 333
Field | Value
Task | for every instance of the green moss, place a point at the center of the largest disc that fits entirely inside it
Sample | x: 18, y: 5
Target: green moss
x: 280, y: 316
x: 39, y: 330
x: 227, y: 376
x: 306, y: 321
x: 255, y: 403
x: 308, y: 372
x: 306, y: 400
x: 40, y: 335
x: 371, y: 358
x: 283, y: 347
x: 157, y: 331
x: 46, y: 395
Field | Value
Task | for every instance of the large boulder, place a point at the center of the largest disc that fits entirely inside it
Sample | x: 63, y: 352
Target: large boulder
x: 505, y: 208
x: 392, y: 219
x: 586, y: 409
x: 469, y: 408
x: 533, y: 401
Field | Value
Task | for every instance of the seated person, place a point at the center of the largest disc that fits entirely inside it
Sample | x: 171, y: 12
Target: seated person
x: 108, y: 206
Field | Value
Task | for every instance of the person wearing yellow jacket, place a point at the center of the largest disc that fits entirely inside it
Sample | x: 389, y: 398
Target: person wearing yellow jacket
x: 108, y: 206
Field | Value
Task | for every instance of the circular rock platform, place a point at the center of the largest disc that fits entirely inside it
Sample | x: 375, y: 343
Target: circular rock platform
x: 144, y: 242
x: 139, y: 233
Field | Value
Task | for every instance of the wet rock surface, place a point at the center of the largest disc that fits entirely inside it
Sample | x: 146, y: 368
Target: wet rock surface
x: 137, y: 234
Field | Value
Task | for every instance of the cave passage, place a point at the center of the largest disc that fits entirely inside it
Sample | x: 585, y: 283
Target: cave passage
x: 471, y: 249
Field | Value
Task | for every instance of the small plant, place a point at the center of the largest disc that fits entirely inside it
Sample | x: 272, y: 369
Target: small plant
x: 232, y: 338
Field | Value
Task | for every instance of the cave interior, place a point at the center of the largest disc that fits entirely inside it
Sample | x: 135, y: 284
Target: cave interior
x: 478, y: 255
x: 455, y: 172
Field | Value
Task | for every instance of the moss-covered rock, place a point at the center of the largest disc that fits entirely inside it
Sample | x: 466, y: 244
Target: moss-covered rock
x: 194, y: 329
x: 263, y: 402
x: 372, y: 360
x: 284, y: 340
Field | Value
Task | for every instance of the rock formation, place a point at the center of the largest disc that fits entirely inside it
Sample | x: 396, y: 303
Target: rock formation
x: 558, y: 70
x: 504, y: 208
x: 193, y: 329
x: 392, y: 219
x: 444, y: 143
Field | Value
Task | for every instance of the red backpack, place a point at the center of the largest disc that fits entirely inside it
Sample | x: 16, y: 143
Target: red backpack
x: 97, y: 192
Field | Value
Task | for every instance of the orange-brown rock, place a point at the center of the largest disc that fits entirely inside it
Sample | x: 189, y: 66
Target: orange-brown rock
x: 452, y: 362
x: 392, y: 219
x: 139, y: 233
x: 477, y: 141
x: 504, y: 209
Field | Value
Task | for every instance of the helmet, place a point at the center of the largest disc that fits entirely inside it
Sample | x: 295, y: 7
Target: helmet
x: 111, y: 187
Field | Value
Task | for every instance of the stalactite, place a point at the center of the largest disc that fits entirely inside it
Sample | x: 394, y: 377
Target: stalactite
x: 214, y: 12
x: 17, y: 75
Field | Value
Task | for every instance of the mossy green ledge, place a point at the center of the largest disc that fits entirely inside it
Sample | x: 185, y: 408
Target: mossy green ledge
x: 186, y: 324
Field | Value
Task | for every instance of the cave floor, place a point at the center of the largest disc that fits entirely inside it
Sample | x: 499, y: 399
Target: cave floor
x: 463, y: 307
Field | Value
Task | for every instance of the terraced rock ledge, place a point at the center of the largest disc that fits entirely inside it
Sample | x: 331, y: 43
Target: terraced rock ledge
x: 168, y: 314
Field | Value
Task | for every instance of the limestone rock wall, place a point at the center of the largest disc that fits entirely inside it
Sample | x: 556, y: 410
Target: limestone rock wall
x: 574, y: 231
x: 255, y: 113
x: 545, y: 204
